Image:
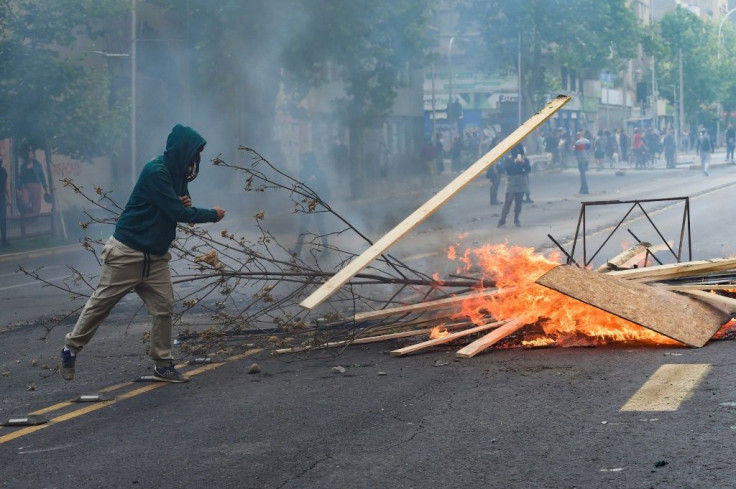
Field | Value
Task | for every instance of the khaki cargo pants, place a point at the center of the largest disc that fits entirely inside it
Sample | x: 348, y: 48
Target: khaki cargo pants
x: 125, y: 269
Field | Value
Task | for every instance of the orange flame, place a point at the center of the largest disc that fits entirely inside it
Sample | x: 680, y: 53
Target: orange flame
x: 438, y: 332
x: 565, y: 321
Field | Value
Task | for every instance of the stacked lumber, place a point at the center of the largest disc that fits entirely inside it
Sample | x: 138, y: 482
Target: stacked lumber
x: 680, y: 301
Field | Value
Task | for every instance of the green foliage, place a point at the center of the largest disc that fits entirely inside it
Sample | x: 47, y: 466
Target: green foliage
x: 46, y: 92
x: 585, y: 35
x: 682, y: 30
x: 370, y: 41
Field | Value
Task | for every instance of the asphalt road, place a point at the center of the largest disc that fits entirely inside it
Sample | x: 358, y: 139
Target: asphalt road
x: 511, y: 418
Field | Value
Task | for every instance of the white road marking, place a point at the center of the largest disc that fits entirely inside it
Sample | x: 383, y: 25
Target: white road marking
x: 668, y: 387
x: 35, y: 282
x: 17, y: 272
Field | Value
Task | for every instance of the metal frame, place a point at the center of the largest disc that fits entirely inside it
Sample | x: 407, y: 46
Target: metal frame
x: 684, y: 230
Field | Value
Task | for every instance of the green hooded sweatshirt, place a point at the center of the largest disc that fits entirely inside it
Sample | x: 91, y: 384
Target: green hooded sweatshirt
x: 148, y: 222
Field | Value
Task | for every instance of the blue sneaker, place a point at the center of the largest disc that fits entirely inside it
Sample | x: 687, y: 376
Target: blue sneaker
x: 66, y: 367
x: 168, y: 374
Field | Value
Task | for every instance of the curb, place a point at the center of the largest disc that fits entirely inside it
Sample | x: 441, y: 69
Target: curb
x: 40, y: 252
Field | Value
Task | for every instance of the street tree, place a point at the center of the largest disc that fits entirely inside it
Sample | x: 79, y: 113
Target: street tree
x: 583, y: 36
x: 680, y: 32
x: 50, y: 95
x: 245, y: 61
x: 374, y: 44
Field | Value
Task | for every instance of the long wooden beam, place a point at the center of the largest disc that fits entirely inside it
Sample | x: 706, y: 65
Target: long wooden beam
x: 676, y: 270
x: 425, y: 306
x: 490, y: 339
x: 627, y: 255
x: 364, y: 340
x: 429, y: 207
x: 444, y: 339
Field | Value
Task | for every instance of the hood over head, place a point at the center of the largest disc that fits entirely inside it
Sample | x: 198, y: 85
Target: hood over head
x: 182, y: 146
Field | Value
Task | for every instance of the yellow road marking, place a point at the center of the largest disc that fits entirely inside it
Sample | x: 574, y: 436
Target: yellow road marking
x: 127, y: 395
x: 64, y: 404
x: 668, y: 387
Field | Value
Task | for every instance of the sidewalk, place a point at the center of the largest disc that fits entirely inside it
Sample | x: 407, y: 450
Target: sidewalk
x: 36, y: 246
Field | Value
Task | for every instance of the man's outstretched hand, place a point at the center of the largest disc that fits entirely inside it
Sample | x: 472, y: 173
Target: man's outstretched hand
x: 220, y: 213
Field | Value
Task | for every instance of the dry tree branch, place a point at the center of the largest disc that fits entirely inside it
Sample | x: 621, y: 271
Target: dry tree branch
x: 254, y: 285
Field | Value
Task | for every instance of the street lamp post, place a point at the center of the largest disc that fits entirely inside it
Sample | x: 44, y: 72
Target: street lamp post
x: 133, y: 97
x: 450, y: 106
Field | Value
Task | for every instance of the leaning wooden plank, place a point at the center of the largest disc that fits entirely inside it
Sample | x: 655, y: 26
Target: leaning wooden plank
x: 681, y: 318
x: 445, y: 339
x: 428, y: 208
x: 634, y: 261
x: 490, y: 339
x: 676, y: 270
x: 423, y: 306
x: 695, y: 286
x: 618, y: 260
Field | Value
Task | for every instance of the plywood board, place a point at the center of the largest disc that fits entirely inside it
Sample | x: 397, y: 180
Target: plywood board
x: 431, y: 206
x: 681, y: 318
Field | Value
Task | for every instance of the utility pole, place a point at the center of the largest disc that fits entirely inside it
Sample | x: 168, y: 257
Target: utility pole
x: 518, y: 76
x: 434, y: 111
x: 654, y: 95
x: 133, y: 70
x: 682, y: 94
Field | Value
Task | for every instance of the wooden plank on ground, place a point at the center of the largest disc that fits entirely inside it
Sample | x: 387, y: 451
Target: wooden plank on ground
x: 722, y: 303
x: 429, y: 207
x: 676, y: 270
x: 444, y: 339
x: 424, y: 306
x: 681, y: 318
x: 490, y: 339
x: 618, y: 260
x: 652, y: 250
x: 363, y: 340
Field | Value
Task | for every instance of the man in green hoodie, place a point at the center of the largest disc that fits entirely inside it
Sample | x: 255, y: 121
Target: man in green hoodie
x: 137, y: 255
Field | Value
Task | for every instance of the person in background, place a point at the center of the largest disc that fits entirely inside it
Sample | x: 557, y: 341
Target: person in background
x: 456, y: 154
x: 551, y: 145
x: 32, y: 186
x: 669, y: 147
x: 517, y: 168
x: 136, y: 257
x: 4, y: 201
x: 494, y: 173
x: 704, y: 148
x: 623, y: 144
x: 564, y: 147
x: 581, y: 149
x: 640, y: 149
x: 730, y: 142
x: 599, y: 148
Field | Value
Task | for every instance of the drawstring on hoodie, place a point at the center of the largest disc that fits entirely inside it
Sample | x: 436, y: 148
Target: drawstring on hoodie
x: 146, y: 264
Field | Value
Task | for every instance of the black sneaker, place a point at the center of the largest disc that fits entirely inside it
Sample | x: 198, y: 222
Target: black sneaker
x: 66, y: 367
x: 168, y: 374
